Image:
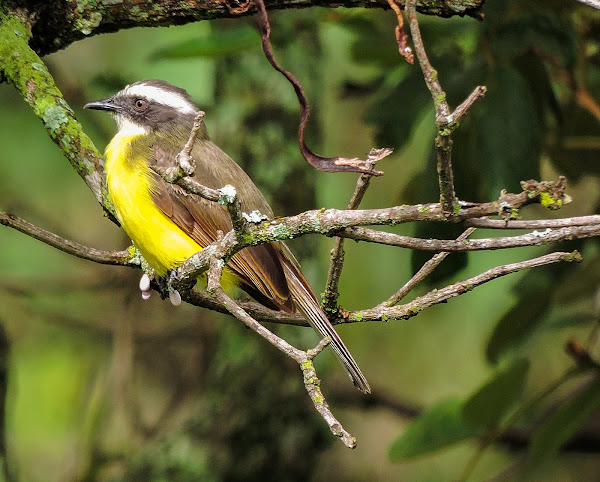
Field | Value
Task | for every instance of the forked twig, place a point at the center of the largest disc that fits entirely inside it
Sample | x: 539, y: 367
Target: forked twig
x: 425, y: 271
x: 446, y: 120
x: 304, y: 359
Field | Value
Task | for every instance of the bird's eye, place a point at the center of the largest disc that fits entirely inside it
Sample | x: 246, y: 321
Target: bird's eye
x: 140, y: 104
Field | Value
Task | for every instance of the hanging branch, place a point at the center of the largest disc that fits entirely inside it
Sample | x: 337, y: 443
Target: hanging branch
x: 328, y: 164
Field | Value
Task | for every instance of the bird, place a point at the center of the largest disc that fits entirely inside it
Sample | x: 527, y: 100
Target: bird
x: 168, y: 225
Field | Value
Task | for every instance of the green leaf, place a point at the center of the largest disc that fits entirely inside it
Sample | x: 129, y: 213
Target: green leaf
x: 491, y: 402
x: 216, y: 44
x: 438, y: 427
x: 564, y: 423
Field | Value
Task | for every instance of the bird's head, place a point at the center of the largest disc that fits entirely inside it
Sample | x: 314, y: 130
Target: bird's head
x: 149, y: 106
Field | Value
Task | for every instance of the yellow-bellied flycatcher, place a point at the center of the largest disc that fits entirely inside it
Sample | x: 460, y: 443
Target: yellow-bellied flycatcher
x: 169, y: 225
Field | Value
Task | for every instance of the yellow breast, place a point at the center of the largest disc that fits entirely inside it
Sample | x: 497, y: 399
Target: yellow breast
x: 160, y: 241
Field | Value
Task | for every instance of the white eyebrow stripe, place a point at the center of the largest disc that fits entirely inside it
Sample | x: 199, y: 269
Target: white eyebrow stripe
x: 162, y: 96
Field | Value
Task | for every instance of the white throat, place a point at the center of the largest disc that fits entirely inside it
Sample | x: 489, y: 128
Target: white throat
x: 128, y: 128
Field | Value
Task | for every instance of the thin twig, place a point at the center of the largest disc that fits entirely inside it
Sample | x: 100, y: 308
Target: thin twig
x: 329, y: 164
x: 455, y: 117
x: 304, y: 359
x: 183, y: 170
x: 445, y: 120
x: 336, y: 263
x: 435, y: 297
x: 425, y: 271
x: 184, y: 159
x: 536, y: 238
x: 401, y: 37
x: 533, y: 223
x: 122, y: 258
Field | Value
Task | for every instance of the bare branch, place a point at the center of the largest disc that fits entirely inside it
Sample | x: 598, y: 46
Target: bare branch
x: 425, y: 271
x: 333, y: 222
x: 336, y: 263
x: 439, y: 296
x: 532, y: 239
x: 121, y: 258
x: 533, y: 223
x: 445, y: 120
x: 304, y: 359
x: 183, y: 170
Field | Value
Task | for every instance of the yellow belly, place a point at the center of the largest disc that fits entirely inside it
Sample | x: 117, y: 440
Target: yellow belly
x: 160, y: 241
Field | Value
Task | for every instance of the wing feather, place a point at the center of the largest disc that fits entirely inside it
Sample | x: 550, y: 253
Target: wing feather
x: 258, y: 267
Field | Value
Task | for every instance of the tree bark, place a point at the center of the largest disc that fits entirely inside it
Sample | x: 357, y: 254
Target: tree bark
x: 55, y: 24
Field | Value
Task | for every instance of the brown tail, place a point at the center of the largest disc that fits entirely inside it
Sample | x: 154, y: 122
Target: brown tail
x: 308, y: 305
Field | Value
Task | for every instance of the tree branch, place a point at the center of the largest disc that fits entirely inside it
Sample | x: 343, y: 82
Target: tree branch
x: 304, y: 359
x: 533, y: 223
x: 536, y: 238
x: 336, y: 263
x: 57, y: 24
x: 26, y: 71
x: 435, y: 297
x: 122, y: 258
x: 425, y: 271
x: 445, y: 120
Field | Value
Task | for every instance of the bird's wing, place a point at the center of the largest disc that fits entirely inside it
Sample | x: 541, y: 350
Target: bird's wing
x: 258, y: 267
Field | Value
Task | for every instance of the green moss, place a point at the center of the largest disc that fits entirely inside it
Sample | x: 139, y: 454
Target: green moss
x: 27, y: 72
x: 424, y: 209
x: 307, y: 365
x: 359, y: 316
x: 318, y: 399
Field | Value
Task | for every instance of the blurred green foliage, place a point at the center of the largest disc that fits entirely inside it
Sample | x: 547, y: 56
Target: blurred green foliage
x: 103, y: 386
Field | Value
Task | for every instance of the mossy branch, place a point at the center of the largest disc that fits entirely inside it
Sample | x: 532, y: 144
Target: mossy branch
x: 59, y: 23
x: 21, y: 66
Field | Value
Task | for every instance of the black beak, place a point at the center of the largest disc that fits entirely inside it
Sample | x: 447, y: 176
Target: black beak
x: 104, y: 104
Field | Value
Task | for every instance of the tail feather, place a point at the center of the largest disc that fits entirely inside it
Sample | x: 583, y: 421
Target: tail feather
x: 308, y: 305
